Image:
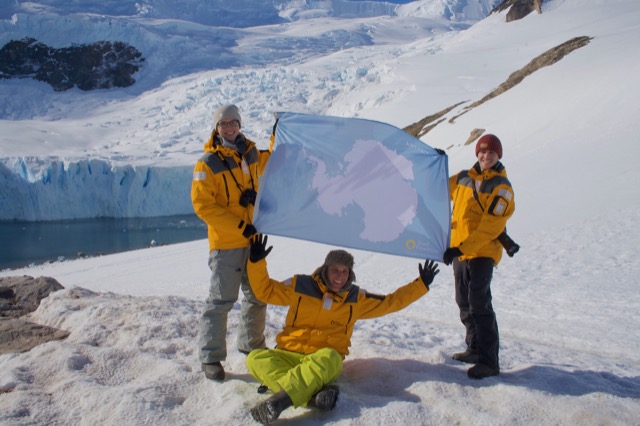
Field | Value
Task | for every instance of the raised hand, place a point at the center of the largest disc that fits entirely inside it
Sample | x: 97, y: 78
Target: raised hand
x: 429, y: 272
x: 259, y: 248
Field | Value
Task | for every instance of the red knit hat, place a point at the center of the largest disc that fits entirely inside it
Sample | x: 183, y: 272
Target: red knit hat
x: 489, y: 142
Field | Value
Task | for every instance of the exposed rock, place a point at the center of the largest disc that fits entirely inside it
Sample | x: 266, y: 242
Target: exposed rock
x: 100, y: 65
x: 475, y: 134
x: 7, y: 293
x: 548, y: 58
x: 20, y: 296
x: 423, y: 126
x: 518, y: 9
x: 28, y: 292
x: 18, y: 335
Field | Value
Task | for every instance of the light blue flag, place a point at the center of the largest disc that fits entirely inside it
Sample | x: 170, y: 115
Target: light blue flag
x: 355, y: 183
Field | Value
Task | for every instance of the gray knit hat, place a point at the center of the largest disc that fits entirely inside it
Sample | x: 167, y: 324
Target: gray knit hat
x: 230, y: 112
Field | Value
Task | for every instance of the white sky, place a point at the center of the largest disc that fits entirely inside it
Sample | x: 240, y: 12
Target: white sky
x: 567, y: 303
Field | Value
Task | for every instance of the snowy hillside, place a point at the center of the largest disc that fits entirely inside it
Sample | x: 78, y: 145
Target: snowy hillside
x: 566, y: 304
x: 397, y: 69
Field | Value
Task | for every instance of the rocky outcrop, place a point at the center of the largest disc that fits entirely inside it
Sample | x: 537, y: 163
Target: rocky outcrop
x: 18, y: 335
x: 422, y: 127
x: 100, y: 65
x: 518, y: 9
x: 546, y: 59
x: 18, y: 297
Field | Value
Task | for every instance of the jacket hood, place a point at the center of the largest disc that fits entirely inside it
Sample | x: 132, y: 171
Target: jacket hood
x: 498, y: 167
x: 215, y: 142
x: 321, y: 273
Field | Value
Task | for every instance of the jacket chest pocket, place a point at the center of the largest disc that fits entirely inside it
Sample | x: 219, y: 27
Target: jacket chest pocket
x: 339, y: 316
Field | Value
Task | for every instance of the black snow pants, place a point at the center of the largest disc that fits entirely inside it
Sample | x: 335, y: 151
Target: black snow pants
x: 473, y: 296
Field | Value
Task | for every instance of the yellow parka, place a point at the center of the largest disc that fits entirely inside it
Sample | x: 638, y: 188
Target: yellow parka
x: 219, y: 179
x: 319, y: 318
x: 477, y: 221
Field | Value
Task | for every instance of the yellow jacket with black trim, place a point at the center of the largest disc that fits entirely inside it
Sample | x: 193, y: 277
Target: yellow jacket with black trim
x: 219, y: 178
x: 476, y: 223
x: 317, y: 317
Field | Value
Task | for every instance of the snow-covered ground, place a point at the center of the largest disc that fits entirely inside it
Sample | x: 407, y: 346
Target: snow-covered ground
x: 567, y: 303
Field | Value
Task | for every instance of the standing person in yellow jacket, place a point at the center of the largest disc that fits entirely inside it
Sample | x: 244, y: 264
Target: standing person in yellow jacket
x: 323, y: 309
x: 483, y: 201
x: 223, y: 192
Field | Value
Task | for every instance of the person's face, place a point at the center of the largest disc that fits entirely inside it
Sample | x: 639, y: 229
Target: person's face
x: 228, y: 129
x: 487, y: 159
x: 338, y: 275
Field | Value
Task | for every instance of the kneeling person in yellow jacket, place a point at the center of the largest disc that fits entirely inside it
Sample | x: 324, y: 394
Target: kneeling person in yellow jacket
x: 323, y: 308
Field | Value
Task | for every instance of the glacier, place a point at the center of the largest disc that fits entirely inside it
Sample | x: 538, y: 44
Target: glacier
x: 37, y: 189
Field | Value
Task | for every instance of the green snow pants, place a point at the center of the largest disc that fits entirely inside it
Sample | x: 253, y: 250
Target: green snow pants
x: 300, y: 376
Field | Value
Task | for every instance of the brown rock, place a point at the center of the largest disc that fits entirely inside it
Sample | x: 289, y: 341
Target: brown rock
x: 28, y: 292
x: 17, y: 335
x: 518, y: 9
x: 20, y: 296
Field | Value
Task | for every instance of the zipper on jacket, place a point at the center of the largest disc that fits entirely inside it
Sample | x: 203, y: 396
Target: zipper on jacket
x: 297, y: 310
x: 226, y: 189
x: 346, y: 327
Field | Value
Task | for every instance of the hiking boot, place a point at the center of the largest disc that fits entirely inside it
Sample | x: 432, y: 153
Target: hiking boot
x: 326, y: 398
x: 467, y: 356
x: 480, y: 371
x: 213, y: 371
x: 269, y: 410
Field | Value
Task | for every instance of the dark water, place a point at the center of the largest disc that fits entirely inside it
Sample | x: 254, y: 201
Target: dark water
x: 26, y: 243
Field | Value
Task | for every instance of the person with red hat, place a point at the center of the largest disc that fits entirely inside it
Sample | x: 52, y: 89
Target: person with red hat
x: 483, y: 201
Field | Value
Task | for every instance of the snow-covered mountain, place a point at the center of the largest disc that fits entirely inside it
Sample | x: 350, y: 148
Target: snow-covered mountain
x: 129, y: 152
x: 139, y: 144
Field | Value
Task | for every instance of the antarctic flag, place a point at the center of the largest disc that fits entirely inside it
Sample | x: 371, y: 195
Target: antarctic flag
x: 355, y: 183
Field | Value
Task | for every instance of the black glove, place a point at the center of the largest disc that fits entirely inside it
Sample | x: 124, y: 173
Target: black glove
x: 249, y: 231
x: 429, y: 272
x: 450, y: 254
x: 258, y: 249
x: 440, y: 151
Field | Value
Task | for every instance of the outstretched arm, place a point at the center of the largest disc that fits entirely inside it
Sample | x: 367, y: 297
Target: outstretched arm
x: 372, y: 306
x: 266, y: 289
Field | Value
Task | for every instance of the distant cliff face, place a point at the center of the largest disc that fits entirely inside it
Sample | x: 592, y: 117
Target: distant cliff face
x: 100, y: 65
x: 56, y: 189
x: 518, y: 9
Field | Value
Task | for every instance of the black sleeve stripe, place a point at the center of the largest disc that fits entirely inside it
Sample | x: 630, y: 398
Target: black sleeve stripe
x: 374, y: 296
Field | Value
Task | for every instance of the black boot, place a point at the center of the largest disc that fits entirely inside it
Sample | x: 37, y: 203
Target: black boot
x: 480, y: 371
x: 326, y: 398
x: 213, y: 371
x: 269, y: 410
